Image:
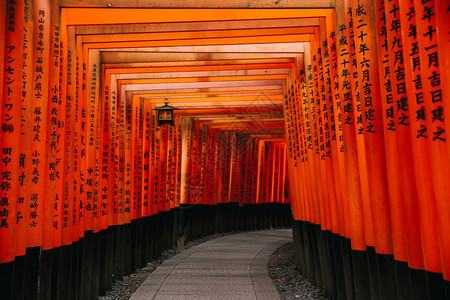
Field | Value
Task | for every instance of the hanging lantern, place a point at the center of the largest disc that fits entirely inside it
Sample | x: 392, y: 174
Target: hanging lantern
x: 165, y: 114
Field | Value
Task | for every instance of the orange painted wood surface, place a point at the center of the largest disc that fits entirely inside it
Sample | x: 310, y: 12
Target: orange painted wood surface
x: 434, y: 108
x: 389, y: 95
x: 10, y: 124
x: 22, y: 208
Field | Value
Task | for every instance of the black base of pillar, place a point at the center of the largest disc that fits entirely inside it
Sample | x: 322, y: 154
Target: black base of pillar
x: 19, y: 277
x: 64, y: 279
x: 87, y: 268
x: 45, y: 275
x: 328, y: 261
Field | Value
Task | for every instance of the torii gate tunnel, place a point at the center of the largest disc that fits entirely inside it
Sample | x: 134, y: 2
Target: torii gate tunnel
x: 334, y: 111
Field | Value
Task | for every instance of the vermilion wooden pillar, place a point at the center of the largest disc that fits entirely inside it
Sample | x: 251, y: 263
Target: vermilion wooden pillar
x: 329, y: 128
x: 302, y: 113
x: 294, y: 140
x: 421, y: 157
x: 3, y: 19
x: 23, y: 197
x: 186, y: 135
x: 145, y: 167
x: 127, y: 198
x: 91, y: 94
x: 372, y: 123
x: 106, y: 191
x: 10, y: 124
x: 435, y: 123
x: 389, y: 96
x: 68, y: 70
x: 335, y: 104
x: 135, y: 191
x: 355, y: 197
x: 403, y: 119
x: 151, y: 171
x: 39, y: 110
x: 357, y: 110
x: 163, y: 168
x: 81, y: 83
x: 308, y: 107
x: 54, y: 151
x: 77, y: 137
x: 319, y: 134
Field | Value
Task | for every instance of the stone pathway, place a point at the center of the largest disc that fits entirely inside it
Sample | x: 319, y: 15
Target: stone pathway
x: 231, y: 267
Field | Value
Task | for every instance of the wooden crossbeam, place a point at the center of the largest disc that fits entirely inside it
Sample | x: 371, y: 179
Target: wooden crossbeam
x: 103, y: 16
x: 191, y: 26
x: 199, y: 3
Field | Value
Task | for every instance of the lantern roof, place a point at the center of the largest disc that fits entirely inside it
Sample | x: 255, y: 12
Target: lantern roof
x: 166, y: 106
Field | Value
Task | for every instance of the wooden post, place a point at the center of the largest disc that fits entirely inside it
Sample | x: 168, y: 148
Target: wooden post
x: 426, y: 210
x: 128, y: 192
x: 389, y: 95
x: 146, y: 159
x: 38, y: 139
x: 185, y: 155
x: 434, y: 108
x: 23, y: 197
x: 355, y: 202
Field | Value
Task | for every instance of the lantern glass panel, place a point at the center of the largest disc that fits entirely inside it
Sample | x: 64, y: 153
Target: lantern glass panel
x: 165, y: 115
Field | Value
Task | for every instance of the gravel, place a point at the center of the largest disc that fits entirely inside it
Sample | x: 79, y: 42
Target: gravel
x: 283, y: 271
x: 287, y: 279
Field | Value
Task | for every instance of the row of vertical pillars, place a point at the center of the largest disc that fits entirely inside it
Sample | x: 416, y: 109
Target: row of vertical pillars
x: 328, y: 262
x: 88, y: 268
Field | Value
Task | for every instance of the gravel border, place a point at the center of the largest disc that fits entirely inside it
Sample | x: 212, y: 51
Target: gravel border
x: 287, y: 278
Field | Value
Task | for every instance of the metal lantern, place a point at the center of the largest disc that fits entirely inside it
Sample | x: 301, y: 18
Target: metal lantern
x: 165, y: 114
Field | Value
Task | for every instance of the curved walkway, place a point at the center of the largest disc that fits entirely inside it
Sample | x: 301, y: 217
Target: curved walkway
x: 231, y: 267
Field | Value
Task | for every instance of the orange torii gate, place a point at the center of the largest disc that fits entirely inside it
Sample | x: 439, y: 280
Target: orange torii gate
x: 84, y: 167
